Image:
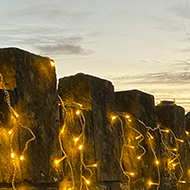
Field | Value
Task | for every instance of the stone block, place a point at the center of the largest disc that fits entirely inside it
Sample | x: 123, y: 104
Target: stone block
x: 172, y: 117
x: 31, y: 82
x: 101, y: 140
x: 138, y: 104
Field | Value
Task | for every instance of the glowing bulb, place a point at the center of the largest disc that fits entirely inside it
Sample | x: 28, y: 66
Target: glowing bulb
x: 12, y: 155
x: 127, y: 116
x: 52, y: 63
x: 21, y: 157
x: 150, y: 183
x: 88, y: 182
x: 187, y: 132
x: 139, y: 157
x: 56, y: 162
x: 10, y: 132
x: 166, y: 130
x: 129, y: 120
x: 94, y: 165
x: 77, y: 112
x: 62, y: 130
x: 182, y: 181
x: 76, y: 139
x: 174, y: 149
x: 150, y: 136
x: 158, y: 102
x: 132, y: 174
x: 138, y: 137
x: 180, y: 140
x: 157, y: 162
x: 80, y: 147
x: 113, y: 117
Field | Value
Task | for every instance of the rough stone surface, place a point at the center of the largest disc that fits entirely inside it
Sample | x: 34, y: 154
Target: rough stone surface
x: 101, y: 140
x: 138, y: 104
x: 171, y: 116
x: 140, y: 107
x: 31, y: 82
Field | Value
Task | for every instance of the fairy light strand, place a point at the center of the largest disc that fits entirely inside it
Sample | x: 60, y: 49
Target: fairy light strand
x: 82, y: 121
x: 12, y: 131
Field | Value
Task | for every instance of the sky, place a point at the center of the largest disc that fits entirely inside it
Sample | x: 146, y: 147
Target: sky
x: 136, y: 44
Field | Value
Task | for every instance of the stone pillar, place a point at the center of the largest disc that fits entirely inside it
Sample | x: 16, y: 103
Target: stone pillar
x: 101, y: 144
x: 141, y: 140
x: 31, y: 82
x: 172, y: 117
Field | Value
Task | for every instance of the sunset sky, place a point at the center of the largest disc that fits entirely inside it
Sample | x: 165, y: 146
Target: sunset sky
x: 137, y: 44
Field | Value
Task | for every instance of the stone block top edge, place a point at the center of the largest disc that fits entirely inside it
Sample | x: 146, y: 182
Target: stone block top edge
x: 14, y: 49
x: 135, y: 91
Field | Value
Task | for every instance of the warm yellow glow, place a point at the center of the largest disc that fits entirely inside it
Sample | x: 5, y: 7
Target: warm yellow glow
x: 113, y: 117
x: 151, y: 183
x: 76, y: 139
x: 174, y: 149
x: 79, y: 105
x: 138, y: 137
x: 187, y: 132
x: 80, y: 147
x: 175, y: 164
x: 182, y: 181
x: 180, y: 140
x: 150, y: 136
x: 21, y: 157
x: 93, y: 165
x: 62, y: 130
x: 132, y: 174
x: 127, y: 116
x: 87, y: 181
x: 52, y: 63
x: 10, y: 132
x: 129, y: 120
x: 157, y: 162
x: 78, y: 112
x: 158, y: 102
x: 139, y: 157
x: 166, y: 130
x: 12, y: 155
x: 56, y: 162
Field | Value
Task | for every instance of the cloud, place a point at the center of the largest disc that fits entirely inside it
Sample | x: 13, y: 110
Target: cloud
x: 156, y: 78
x: 63, y: 48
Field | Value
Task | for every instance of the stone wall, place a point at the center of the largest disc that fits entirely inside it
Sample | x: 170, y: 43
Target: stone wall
x: 83, y: 135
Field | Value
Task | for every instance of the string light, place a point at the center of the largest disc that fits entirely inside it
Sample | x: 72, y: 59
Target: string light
x: 138, y: 136
x: 150, y: 183
x: 113, y: 117
x: 93, y: 166
x: 52, y: 62
x: 180, y: 140
x: 187, y: 132
x: 157, y: 162
x: 166, y: 130
x: 12, y: 155
x: 76, y: 139
x: 150, y: 136
x: 182, y: 181
x: 21, y: 157
x: 12, y: 131
x: 130, y: 146
x: 80, y: 147
x: 78, y: 112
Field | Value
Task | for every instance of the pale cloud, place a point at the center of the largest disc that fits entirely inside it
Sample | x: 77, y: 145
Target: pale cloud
x: 62, y: 48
